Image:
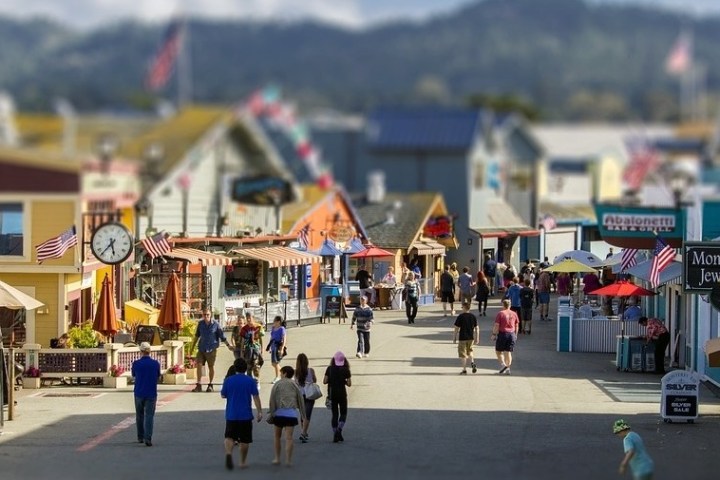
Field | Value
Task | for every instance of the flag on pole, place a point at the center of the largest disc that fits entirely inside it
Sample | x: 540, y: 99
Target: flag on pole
x: 627, y: 259
x: 304, y: 237
x: 643, y: 158
x: 663, y: 256
x: 548, y: 222
x: 163, y: 63
x: 157, y: 245
x: 679, y: 59
x: 57, y: 246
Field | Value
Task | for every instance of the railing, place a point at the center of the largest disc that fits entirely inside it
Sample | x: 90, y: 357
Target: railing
x: 296, y: 312
x: 195, y: 289
x: 94, y: 362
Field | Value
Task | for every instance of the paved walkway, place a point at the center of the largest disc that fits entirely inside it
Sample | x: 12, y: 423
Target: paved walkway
x: 411, y: 416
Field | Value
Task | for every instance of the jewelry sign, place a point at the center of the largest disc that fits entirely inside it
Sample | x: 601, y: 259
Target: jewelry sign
x: 701, y: 266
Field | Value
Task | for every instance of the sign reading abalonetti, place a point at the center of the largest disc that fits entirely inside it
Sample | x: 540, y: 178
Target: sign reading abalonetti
x: 701, y: 266
x: 636, y: 227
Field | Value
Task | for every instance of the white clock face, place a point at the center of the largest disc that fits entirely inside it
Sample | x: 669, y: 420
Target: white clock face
x: 112, y: 243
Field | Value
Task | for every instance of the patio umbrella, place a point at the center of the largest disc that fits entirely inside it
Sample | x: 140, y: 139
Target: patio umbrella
x: 354, y: 246
x: 106, y: 317
x: 170, y: 316
x: 622, y: 289
x: 586, y: 258
x: 372, y: 251
x: 570, y: 266
x: 14, y: 299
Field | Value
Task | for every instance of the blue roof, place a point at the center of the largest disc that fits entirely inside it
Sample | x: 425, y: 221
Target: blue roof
x: 328, y: 250
x: 679, y: 144
x: 432, y: 129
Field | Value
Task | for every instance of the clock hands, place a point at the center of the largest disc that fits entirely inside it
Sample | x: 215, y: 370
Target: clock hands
x: 111, y: 246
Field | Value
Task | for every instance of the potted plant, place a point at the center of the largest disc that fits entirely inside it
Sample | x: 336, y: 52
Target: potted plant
x: 174, y: 375
x: 190, y: 368
x: 31, y: 378
x: 115, y: 377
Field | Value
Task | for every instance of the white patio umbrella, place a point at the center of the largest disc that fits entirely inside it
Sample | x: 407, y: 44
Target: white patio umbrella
x: 14, y: 299
x: 586, y: 258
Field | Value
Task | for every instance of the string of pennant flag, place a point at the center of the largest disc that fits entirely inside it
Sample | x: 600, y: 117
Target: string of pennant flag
x: 267, y: 103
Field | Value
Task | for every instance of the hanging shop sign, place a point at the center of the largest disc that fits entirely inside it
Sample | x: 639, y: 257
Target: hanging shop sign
x: 701, y: 266
x: 341, y: 233
x: 636, y: 227
x: 438, y: 227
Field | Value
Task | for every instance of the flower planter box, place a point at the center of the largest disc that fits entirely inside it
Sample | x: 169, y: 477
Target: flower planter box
x: 190, y: 373
x: 32, y: 382
x: 114, y: 382
x: 174, y: 379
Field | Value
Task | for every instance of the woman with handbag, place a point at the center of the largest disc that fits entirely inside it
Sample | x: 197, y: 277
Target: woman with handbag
x: 337, y: 378
x: 307, y: 381
x: 287, y: 408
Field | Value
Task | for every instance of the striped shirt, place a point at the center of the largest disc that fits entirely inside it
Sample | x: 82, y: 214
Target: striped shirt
x: 363, y: 316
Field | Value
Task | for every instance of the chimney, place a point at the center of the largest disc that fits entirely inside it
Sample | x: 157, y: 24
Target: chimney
x: 8, y: 130
x: 376, y: 186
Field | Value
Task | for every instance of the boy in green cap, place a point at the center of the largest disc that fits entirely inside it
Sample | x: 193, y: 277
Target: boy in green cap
x: 635, y: 454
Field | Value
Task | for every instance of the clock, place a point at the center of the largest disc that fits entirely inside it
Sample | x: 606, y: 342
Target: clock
x: 112, y: 243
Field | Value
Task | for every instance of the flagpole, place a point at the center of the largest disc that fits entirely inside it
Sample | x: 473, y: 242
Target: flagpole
x: 184, y: 78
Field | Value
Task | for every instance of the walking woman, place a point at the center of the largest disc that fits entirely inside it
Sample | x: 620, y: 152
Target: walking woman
x: 337, y: 378
x: 482, y: 293
x: 287, y: 409
x: 412, y: 290
x: 277, y: 345
x: 304, y: 376
x: 236, y: 337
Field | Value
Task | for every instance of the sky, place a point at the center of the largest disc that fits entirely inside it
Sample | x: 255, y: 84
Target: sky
x: 350, y: 13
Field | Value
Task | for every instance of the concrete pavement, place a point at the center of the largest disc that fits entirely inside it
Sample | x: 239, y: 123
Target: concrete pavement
x: 411, y: 415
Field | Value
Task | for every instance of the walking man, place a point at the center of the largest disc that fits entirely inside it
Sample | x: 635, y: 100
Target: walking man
x: 209, y: 334
x: 239, y: 390
x: 466, y: 335
x: 504, y: 334
x: 490, y: 270
x: 543, y: 285
x: 146, y: 371
x: 363, y: 316
x: 467, y: 286
x: 412, y: 295
x: 447, y: 290
x: 527, y: 297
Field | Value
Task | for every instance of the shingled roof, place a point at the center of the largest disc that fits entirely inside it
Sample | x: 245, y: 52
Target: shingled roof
x: 409, y: 212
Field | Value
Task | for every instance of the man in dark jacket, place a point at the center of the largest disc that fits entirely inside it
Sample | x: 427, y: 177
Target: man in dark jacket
x: 490, y: 270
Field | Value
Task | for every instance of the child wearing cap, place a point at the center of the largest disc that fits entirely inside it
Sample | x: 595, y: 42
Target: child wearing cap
x: 641, y: 464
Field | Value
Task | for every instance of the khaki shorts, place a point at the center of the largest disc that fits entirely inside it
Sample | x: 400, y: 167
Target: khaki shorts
x: 465, y: 348
x: 208, y: 357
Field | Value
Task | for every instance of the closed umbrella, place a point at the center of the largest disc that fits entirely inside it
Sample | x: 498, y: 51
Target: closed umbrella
x: 170, y: 316
x: 14, y: 299
x: 106, y: 317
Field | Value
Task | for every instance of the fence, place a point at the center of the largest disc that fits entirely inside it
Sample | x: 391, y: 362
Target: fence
x: 296, y: 312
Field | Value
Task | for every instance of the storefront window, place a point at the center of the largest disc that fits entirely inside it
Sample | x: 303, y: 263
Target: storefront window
x: 243, y: 279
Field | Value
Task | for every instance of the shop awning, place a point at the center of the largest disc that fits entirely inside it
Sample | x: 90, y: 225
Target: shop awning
x: 668, y: 274
x: 525, y: 231
x: 499, y: 219
x: 277, y: 256
x: 428, y: 247
x: 195, y: 256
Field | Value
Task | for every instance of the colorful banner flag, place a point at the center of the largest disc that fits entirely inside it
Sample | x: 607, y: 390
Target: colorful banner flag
x: 56, y: 246
x: 548, y: 222
x: 163, y: 63
x: 679, y: 59
x: 663, y: 255
x: 157, y: 245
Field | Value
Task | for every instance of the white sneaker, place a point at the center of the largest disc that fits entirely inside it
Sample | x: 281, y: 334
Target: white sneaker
x: 358, y: 355
x: 452, y: 313
x: 367, y: 355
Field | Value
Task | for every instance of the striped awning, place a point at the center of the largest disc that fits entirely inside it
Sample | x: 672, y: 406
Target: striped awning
x: 195, y: 256
x: 277, y: 256
x: 428, y: 247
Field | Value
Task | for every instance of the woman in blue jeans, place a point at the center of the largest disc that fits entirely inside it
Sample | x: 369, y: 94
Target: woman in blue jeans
x: 337, y: 378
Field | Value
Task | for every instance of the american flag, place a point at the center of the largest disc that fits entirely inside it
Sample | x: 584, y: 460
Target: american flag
x: 548, y: 222
x: 304, y: 237
x: 157, y: 245
x: 57, y: 246
x: 628, y: 258
x: 643, y: 158
x: 162, y: 65
x: 663, y: 255
x: 679, y: 59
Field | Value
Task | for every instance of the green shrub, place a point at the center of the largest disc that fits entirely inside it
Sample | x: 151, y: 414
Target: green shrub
x: 82, y: 337
x: 188, y: 330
